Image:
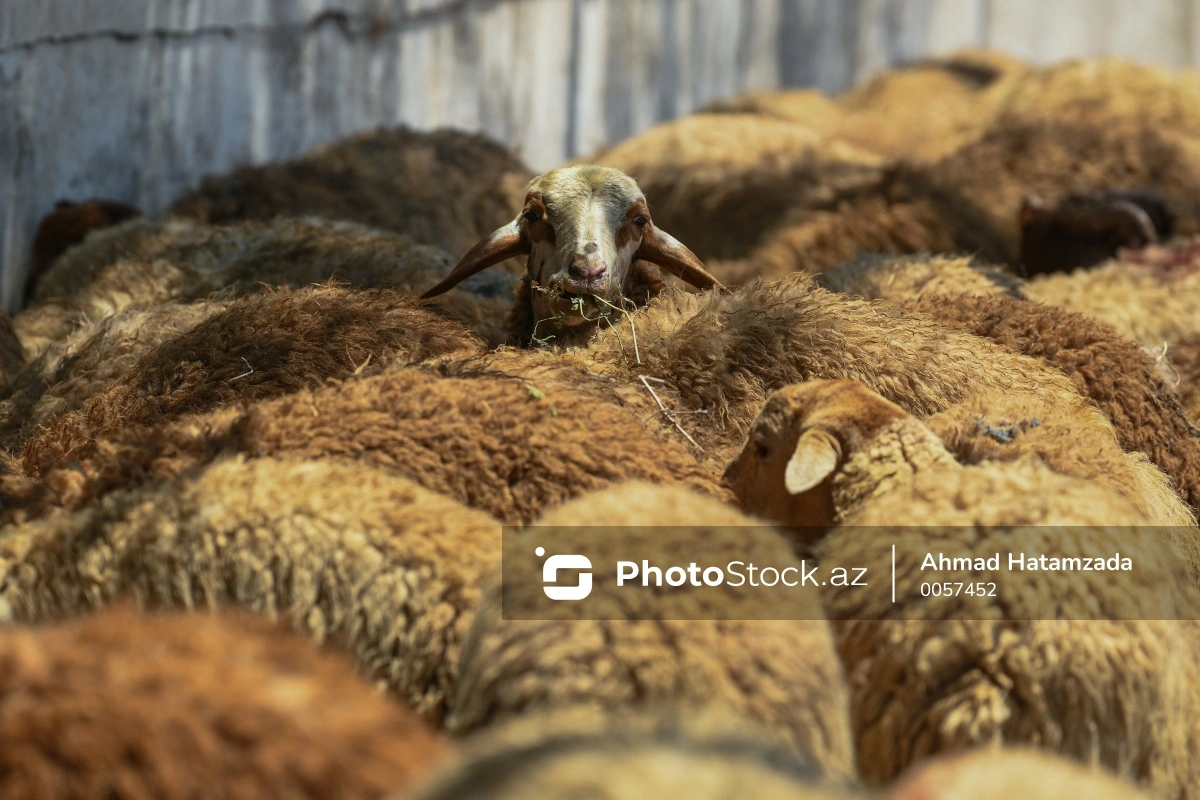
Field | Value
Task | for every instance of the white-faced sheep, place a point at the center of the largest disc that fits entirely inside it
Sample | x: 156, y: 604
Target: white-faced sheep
x: 1003, y: 773
x: 625, y: 756
x: 344, y: 552
x: 183, y: 706
x: 264, y: 345
x: 765, y: 656
x: 1098, y: 666
x: 590, y: 245
x: 444, y: 187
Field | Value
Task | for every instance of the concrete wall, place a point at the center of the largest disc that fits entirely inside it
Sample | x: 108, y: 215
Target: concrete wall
x: 135, y: 100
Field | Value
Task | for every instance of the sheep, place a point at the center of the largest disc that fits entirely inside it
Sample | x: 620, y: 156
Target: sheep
x: 1118, y: 376
x: 1103, y: 91
x: 723, y: 354
x: 766, y: 658
x: 1115, y: 374
x: 926, y: 109
x: 263, y: 345
x: 721, y: 182
x: 587, y: 234
x: 493, y: 440
x: 1185, y: 364
x: 821, y: 451
x: 980, y: 187
x: 1001, y: 773
x: 345, y: 552
x: 917, y: 111
x: 1115, y: 687
x: 619, y: 756
x: 139, y: 238
x: 809, y: 108
x: 1151, y: 297
x: 444, y: 187
x: 913, y: 278
x: 12, y: 354
x: 145, y: 263
x: 71, y: 370
x: 67, y: 225
x: 118, y: 704
x: 893, y: 217
x: 1086, y: 229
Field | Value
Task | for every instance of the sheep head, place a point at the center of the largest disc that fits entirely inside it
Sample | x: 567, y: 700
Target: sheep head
x: 1085, y: 229
x: 804, y: 435
x: 582, y: 227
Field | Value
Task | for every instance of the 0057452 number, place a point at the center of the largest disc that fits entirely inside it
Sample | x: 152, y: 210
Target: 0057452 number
x: 948, y: 589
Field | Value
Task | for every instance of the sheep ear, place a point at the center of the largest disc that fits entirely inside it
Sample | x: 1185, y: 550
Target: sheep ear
x: 661, y: 248
x: 503, y: 244
x: 817, y: 455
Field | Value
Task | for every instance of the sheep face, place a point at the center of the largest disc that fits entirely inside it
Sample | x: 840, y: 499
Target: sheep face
x: 582, y: 227
x: 799, y: 442
x: 1086, y: 229
x: 585, y: 226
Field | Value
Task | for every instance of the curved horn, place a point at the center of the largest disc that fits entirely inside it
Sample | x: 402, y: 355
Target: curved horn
x: 504, y: 243
x: 663, y: 249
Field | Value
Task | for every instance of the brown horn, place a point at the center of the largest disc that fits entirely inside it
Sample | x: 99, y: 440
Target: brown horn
x: 663, y: 249
x: 503, y: 244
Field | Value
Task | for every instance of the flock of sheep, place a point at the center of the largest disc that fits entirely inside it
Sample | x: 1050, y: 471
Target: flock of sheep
x: 299, y: 406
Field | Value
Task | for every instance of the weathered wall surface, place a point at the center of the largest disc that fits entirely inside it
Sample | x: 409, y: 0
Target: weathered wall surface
x: 135, y: 100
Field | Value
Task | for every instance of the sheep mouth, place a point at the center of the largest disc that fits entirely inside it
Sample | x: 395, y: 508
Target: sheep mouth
x: 572, y: 304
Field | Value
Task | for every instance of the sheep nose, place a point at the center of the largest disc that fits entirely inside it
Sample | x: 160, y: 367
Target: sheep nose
x: 589, y: 269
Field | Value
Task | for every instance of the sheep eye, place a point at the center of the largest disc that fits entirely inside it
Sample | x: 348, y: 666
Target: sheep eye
x: 762, y: 450
x: 532, y: 216
x: 640, y: 221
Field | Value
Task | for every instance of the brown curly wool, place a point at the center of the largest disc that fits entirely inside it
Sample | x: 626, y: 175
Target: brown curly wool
x: 763, y: 657
x: 12, y: 354
x: 74, y: 369
x: 144, y: 263
x: 981, y: 186
x: 345, y: 552
x: 261, y: 346
x: 619, y: 755
x: 444, y: 187
x: 499, y: 444
x: 1001, y: 773
x: 1185, y: 362
x: 494, y: 441
x: 1117, y: 375
x: 122, y: 705
x: 721, y: 182
x: 725, y: 353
